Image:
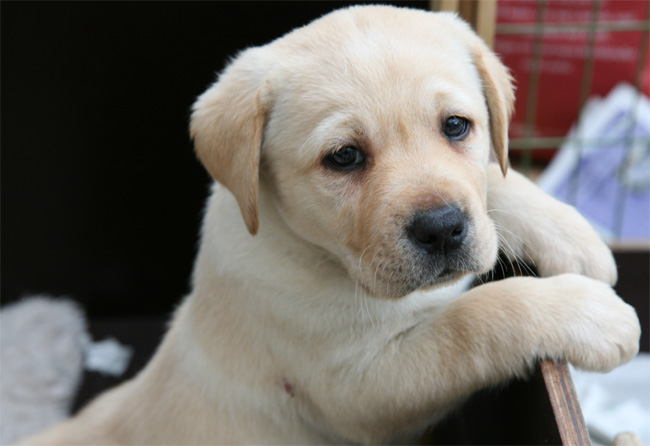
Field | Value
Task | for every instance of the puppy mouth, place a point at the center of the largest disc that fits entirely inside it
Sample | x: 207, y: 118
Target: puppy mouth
x: 419, y: 273
x: 446, y: 276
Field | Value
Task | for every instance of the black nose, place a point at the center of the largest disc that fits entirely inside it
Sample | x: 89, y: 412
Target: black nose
x: 439, y: 230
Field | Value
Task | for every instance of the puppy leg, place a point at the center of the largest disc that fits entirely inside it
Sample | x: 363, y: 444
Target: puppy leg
x: 568, y: 316
x: 536, y: 227
x: 489, y: 334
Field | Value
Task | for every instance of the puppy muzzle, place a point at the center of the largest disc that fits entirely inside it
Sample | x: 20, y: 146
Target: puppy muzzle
x: 440, y: 245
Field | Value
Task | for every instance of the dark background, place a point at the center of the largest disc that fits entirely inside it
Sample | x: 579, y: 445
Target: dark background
x: 101, y: 193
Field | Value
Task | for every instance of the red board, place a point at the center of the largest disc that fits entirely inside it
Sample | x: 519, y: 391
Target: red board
x: 617, y: 55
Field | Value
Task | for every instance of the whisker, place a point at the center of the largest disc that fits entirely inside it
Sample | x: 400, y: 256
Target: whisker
x: 508, y: 249
x: 439, y: 194
x: 501, y: 228
x: 524, y: 248
x: 374, y: 283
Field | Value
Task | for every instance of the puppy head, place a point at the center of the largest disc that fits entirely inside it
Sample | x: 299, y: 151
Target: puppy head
x: 373, y: 127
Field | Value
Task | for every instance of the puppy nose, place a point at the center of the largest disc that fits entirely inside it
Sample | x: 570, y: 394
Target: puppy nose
x: 439, y: 230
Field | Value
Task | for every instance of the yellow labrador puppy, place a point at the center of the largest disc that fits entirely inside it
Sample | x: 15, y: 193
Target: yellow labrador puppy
x: 358, y: 151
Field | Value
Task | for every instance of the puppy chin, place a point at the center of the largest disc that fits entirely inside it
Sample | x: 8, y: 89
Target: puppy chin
x: 399, y: 290
x: 445, y: 279
x: 427, y: 277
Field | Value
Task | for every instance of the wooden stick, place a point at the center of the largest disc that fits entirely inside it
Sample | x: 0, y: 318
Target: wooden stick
x: 566, y: 406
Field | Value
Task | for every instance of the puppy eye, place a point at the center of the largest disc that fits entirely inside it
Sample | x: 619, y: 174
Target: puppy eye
x: 456, y: 128
x: 346, y: 158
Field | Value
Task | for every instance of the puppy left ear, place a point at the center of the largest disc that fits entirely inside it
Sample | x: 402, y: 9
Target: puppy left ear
x: 499, y: 94
x: 227, y: 125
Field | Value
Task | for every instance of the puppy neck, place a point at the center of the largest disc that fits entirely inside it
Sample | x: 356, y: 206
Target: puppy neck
x: 229, y: 252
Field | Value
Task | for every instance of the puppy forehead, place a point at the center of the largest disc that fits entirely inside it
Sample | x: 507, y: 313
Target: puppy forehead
x: 358, y: 54
x: 349, y: 117
x: 370, y: 74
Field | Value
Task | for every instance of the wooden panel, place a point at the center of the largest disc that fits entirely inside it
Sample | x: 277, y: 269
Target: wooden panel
x: 486, y: 20
x: 480, y: 14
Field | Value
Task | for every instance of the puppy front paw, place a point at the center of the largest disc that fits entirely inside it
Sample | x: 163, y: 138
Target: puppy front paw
x: 567, y: 243
x: 535, y: 227
x: 597, y: 330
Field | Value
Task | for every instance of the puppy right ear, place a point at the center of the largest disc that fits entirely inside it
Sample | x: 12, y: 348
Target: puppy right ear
x: 227, y: 125
x: 500, y: 98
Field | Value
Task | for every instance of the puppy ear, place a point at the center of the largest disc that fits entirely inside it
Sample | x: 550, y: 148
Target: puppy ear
x: 500, y: 97
x: 227, y: 125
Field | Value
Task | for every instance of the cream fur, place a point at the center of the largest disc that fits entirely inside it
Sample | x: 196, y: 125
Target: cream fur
x: 325, y: 327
